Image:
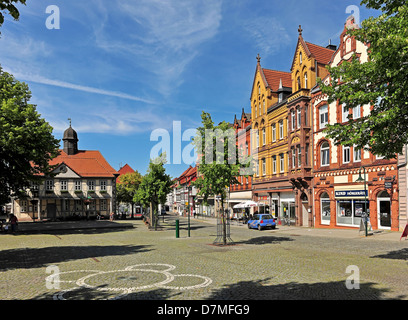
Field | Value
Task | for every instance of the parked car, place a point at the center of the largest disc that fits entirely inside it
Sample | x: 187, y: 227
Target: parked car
x: 261, y: 221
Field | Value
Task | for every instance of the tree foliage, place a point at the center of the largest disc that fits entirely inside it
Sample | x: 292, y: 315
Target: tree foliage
x: 26, y: 140
x: 154, y: 187
x: 381, y: 82
x: 218, y: 160
x: 9, y: 7
x: 127, y: 187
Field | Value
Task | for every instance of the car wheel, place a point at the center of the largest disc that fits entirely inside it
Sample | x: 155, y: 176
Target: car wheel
x: 249, y: 227
x: 259, y: 227
x: 273, y: 227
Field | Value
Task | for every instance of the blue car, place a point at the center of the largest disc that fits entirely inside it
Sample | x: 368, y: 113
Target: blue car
x: 261, y: 221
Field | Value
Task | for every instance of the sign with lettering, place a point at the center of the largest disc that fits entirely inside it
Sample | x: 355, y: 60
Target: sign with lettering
x: 351, y: 193
x: 388, y: 184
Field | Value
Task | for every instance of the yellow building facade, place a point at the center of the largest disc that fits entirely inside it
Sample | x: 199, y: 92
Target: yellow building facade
x: 270, y: 138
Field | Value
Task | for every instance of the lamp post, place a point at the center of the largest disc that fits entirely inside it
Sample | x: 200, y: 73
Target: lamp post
x: 188, y: 207
x: 365, y: 215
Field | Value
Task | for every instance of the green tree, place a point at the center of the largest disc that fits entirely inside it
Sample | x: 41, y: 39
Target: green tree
x: 380, y: 82
x: 154, y: 188
x: 26, y: 140
x: 218, y: 162
x: 127, y: 187
x: 8, y: 6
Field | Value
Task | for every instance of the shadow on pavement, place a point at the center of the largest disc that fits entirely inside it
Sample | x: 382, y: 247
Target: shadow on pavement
x: 337, y: 290
x: 40, y: 257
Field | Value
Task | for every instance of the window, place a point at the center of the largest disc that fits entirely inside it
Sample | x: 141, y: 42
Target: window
x: 257, y: 168
x: 345, y: 113
x: 259, y: 110
x: 23, y: 206
x: 263, y: 136
x: 78, y: 205
x: 306, y: 115
x: 49, y: 185
x: 280, y: 97
x: 281, y: 129
x: 325, y: 208
x: 357, y: 154
x: 65, y: 205
x: 263, y: 166
x: 103, y: 185
x: 274, y: 164
x: 91, y: 185
x: 103, y: 205
x: 324, y: 154
x: 300, y: 57
x: 305, y: 80
x: 257, y: 138
x: 282, y: 162
x: 293, y: 117
x: 307, y: 154
x: 274, y: 132
x: 324, y: 116
x: 346, y: 154
x: 263, y: 107
x: 293, y: 157
x: 356, y: 112
x: 299, y: 156
x: 78, y: 186
x: 298, y: 83
x: 63, y: 185
x: 299, y: 118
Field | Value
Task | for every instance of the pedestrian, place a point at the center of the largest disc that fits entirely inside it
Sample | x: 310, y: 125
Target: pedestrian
x: 13, y: 222
x: 194, y: 213
x: 111, y: 216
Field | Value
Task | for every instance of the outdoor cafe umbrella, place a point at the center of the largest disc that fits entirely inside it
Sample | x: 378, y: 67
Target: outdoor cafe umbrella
x: 239, y: 205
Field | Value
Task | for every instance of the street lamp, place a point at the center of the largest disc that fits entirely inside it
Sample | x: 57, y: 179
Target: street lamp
x: 365, y: 215
x: 188, y: 207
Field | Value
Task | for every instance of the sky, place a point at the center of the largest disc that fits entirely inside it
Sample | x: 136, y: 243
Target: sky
x: 123, y: 70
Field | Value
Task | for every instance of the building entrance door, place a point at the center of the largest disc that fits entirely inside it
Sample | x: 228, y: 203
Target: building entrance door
x: 384, y: 210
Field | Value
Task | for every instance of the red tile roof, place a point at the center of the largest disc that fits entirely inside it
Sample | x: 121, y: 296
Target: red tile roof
x: 321, y: 54
x: 126, y: 169
x: 86, y: 163
x: 274, y: 77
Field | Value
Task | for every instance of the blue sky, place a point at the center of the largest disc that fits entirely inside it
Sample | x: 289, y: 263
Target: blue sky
x: 121, y: 69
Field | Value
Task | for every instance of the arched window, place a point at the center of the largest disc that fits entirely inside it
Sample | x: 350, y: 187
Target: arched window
x: 325, y: 208
x: 325, y: 154
x: 300, y: 57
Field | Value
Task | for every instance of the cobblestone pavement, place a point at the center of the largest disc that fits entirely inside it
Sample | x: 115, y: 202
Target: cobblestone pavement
x: 136, y: 263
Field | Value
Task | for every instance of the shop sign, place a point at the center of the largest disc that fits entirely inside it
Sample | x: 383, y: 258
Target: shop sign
x: 388, y: 184
x: 351, y: 193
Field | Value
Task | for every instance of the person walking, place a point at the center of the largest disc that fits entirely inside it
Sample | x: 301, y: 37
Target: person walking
x: 13, y: 222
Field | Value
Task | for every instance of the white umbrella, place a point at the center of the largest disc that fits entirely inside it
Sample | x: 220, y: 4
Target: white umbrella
x: 250, y: 203
x: 239, y: 205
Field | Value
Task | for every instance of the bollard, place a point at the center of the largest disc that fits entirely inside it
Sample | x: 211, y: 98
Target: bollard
x: 177, y: 229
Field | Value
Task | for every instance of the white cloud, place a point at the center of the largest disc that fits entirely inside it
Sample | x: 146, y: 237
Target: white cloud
x: 161, y: 36
x: 62, y: 84
x: 268, y: 34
